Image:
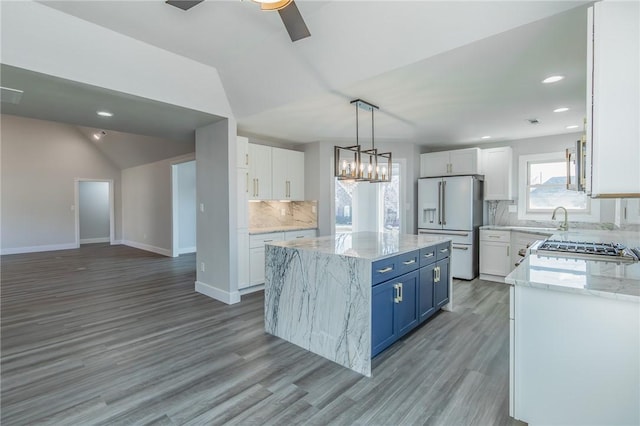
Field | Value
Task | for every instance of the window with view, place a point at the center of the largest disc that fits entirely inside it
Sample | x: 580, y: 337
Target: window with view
x: 543, y: 187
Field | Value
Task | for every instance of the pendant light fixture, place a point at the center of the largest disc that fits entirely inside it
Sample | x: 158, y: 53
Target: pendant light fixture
x: 363, y: 165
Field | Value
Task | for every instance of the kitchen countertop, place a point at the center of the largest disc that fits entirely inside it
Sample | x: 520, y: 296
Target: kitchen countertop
x: 598, y: 278
x: 257, y: 231
x: 527, y: 229
x: 364, y: 245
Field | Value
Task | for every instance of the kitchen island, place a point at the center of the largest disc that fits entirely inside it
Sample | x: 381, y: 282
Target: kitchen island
x: 575, y: 336
x: 348, y: 296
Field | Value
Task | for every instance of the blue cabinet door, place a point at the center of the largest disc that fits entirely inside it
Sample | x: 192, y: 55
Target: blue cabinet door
x: 407, y: 316
x: 383, y: 323
x: 441, y: 287
x: 426, y: 307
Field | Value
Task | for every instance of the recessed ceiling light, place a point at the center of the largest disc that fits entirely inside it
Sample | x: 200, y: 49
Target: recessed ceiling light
x: 563, y: 109
x: 553, y: 79
x: 486, y: 137
x: 98, y: 135
x: 105, y: 114
x: 573, y: 126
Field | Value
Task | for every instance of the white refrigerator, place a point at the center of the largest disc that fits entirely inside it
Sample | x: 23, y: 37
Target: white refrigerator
x: 452, y: 206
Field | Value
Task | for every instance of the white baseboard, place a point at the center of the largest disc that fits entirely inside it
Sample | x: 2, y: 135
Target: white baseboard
x: 216, y: 293
x: 494, y: 278
x: 147, y: 247
x: 187, y: 250
x: 94, y: 240
x: 116, y: 242
x: 253, y: 289
x: 35, y: 249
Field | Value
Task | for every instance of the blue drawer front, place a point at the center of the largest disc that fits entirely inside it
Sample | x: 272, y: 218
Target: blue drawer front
x: 384, y: 269
x: 443, y: 250
x: 408, y: 262
x: 427, y: 256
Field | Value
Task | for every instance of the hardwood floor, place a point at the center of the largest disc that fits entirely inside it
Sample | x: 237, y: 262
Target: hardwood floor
x: 114, y: 335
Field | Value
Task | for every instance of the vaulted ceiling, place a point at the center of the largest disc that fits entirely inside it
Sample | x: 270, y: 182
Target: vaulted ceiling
x: 442, y: 72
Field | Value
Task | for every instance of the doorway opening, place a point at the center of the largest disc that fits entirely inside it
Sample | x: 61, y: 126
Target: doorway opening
x: 369, y: 206
x: 94, y: 215
x: 183, y: 192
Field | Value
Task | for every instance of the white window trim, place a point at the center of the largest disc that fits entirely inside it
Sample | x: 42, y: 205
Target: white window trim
x: 523, y: 214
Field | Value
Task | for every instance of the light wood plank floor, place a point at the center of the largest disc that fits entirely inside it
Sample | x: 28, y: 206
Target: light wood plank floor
x: 114, y: 335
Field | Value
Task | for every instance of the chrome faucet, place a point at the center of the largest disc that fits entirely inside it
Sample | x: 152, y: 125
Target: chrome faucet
x: 565, y: 225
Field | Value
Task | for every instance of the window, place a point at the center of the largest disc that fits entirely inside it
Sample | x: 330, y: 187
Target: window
x: 368, y: 206
x: 543, y: 180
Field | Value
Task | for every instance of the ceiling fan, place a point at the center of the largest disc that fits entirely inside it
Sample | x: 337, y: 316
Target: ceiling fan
x: 289, y: 13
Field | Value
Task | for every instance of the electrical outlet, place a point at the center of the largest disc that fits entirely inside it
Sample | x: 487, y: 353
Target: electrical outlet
x: 283, y: 212
x: 202, y: 266
x: 313, y: 209
x: 202, y: 207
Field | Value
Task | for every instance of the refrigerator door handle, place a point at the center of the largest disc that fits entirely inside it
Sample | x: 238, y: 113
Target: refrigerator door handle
x: 444, y: 190
x: 439, y: 204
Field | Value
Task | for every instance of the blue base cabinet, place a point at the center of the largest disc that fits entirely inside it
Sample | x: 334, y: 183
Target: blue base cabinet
x: 407, y: 290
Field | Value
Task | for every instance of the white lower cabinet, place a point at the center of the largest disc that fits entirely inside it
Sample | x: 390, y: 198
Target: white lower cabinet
x: 495, y: 255
x: 257, y: 250
x: 256, y: 254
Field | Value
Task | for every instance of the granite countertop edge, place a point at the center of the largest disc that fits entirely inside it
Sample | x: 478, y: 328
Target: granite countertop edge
x: 364, y: 253
x: 258, y: 231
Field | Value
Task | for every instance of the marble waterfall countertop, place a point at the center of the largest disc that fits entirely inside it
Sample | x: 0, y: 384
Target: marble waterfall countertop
x: 364, y: 245
x: 593, y: 277
x: 268, y: 230
x: 318, y: 291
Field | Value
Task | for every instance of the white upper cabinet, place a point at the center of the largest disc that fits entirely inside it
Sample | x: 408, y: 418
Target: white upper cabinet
x: 449, y: 163
x: 288, y: 174
x: 276, y: 173
x: 259, y: 172
x: 613, y: 100
x: 434, y: 164
x: 497, y: 165
x: 242, y: 149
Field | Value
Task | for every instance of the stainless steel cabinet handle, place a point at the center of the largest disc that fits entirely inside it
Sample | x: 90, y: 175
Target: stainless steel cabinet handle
x: 385, y: 270
x: 444, y: 191
x: 396, y: 296
x: 439, y: 204
x: 507, y: 251
x: 428, y: 255
x: 460, y: 248
x: 300, y: 236
x: 266, y: 241
x: 493, y: 236
x: 409, y: 262
x: 246, y: 159
x: 258, y: 187
x: 247, y: 183
x: 400, y: 285
x: 444, y: 250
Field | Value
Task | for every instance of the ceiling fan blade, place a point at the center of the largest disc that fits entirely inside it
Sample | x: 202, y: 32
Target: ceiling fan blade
x: 293, y: 22
x: 183, y: 4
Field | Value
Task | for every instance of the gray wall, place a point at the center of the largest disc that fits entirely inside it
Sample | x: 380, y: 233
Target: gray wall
x: 217, y: 242
x: 40, y: 162
x: 186, y: 207
x: 147, y: 205
x: 93, y: 211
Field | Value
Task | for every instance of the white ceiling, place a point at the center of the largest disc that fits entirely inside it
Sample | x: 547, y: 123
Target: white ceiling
x: 442, y: 73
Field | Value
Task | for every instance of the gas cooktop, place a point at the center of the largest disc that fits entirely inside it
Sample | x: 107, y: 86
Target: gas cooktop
x: 586, y: 250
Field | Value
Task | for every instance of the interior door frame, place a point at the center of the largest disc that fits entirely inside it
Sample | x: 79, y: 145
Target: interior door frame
x: 77, y: 208
x: 175, y: 228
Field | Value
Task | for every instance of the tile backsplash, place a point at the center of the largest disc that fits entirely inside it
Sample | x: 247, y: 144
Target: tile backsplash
x: 498, y: 214
x: 269, y: 214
